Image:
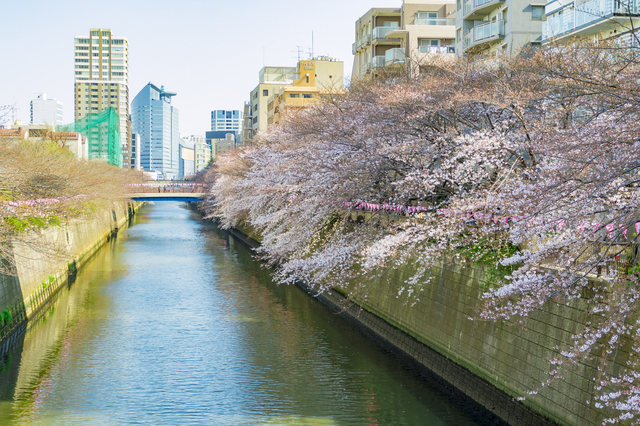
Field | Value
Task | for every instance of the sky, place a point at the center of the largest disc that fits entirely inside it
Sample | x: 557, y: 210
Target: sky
x: 208, y: 51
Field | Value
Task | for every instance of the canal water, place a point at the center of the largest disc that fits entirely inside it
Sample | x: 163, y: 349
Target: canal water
x: 174, y: 323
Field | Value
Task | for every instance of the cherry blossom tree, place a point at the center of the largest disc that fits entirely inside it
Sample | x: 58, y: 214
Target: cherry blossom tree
x: 533, y: 159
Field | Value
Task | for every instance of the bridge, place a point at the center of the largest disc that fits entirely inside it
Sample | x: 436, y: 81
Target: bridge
x: 166, y: 191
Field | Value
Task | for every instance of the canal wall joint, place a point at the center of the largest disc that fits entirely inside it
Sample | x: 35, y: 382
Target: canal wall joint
x: 491, y: 363
x: 42, y: 269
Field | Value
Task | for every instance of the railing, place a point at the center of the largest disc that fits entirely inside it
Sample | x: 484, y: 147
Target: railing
x: 366, y: 68
x: 381, y: 32
x: 467, y: 7
x: 570, y: 18
x: 434, y: 21
x: 483, y: 32
x: 166, y: 188
x: 363, y: 41
x: 437, y: 49
x: 470, y: 5
x: 394, y: 56
x: 379, y: 61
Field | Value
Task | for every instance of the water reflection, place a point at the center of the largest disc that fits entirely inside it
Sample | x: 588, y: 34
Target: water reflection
x: 175, y: 323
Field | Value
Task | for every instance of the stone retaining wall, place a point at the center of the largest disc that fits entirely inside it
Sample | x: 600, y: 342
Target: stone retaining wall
x: 42, y: 271
x: 492, y: 363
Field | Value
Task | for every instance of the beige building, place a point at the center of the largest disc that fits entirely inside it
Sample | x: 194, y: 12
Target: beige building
x: 202, y: 155
x: 288, y: 86
x: 408, y: 36
x: 102, y: 80
x: 222, y: 146
x: 271, y: 79
x: 314, y: 79
x: 73, y: 141
x: 491, y: 27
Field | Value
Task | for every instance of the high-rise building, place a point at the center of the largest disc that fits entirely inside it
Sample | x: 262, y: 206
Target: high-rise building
x: 226, y: 120
x: 102, y: 80
x: 406, y: 36
x: 157, y: 122
x: 46, y: 111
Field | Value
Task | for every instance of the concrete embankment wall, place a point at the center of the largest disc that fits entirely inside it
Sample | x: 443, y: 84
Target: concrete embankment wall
x: 491, y: 363
x: 45, y: 260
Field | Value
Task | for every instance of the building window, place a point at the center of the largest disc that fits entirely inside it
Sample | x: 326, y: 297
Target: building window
x: 265, y: 92
x: 307, y: 96
x: 537, y: 13
x: 294, y: 95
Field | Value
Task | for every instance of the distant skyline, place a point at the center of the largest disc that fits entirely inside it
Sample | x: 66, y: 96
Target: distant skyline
x: 209, y: 52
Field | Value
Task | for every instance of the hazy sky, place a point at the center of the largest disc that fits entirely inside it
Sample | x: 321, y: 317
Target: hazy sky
x: 208, y: 51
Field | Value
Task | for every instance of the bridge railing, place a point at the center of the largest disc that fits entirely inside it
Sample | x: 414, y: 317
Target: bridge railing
x: 166, y: 188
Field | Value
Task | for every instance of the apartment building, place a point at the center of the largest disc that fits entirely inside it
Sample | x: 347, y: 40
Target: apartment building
x: 314, y: 78
x: 202, y: 155
x: 46, y: 111
x: 102, y: 81
x: 408, y: 36
x: 271, y: 79
x: 497, y: 26
x: 247, y: 126
x: 595, y: 19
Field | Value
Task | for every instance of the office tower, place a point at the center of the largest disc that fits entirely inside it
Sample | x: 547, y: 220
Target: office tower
x: 157, y: 122
x: 46, y: 111
x: 226, y: 120
x: 102, y: 81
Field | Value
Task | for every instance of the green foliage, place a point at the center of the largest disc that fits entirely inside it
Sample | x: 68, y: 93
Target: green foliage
x: 21, y: 225
x: 489, y: 254
x: 6, y: 316
x: 51, y: 279
x: 44, y: 284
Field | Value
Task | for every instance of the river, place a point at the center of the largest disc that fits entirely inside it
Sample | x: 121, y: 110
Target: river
x: 174, y: 323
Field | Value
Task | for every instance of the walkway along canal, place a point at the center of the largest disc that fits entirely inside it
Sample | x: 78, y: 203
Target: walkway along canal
x: 173, y: 322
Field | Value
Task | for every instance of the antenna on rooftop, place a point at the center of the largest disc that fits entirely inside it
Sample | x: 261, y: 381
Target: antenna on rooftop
x: 298, y: 52
x: 312, y: 52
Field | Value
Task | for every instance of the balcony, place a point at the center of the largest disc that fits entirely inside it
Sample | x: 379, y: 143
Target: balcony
x: 434, y: 21
x: 366, y: 68
x: 380, y: 33
x: 569, y: 19
x: 478, y: 8
x: 361, y: 43
x: 483, y: 34
x: 394, y: 56
x: 437, y: 49
x: 379, y: 62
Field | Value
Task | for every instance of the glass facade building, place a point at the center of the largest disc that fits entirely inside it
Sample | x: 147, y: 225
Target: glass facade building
x: 157, y: 122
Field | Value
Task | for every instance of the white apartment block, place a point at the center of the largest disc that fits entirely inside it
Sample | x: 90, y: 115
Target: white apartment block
x: 594, y: 19
x: 46, y: 111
